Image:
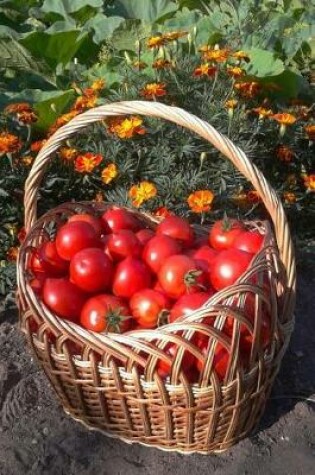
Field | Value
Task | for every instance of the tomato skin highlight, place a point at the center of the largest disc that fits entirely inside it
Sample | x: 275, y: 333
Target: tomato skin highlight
x: 63, y: 298
x: 224, y: 232
x: 187, y: 304
x: 73, y: 237
x: 158, y: 249
x: 122, y: 244
x: 147, y: 306
x: 177, y: 228
x: 131, y: 275
x: 179, y: 275
x: 144, y: 235
x: 105, y: 312
x: 118, y: 219
x: 92, y: 220
x: 249, y: 241
x: 228, y: 266
x: 91, y: 270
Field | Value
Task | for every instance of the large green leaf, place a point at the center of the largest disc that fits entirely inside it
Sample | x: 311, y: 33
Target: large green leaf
x: 58, y: 48
x: 66, y: 7
x: 263, y: 63
x: 205, y: 29
x: 128, y: 32
x: 103, y: 26
x: 147, y: 10
x: 290, y: 84
x: 182, y: 19
x: 101, y: 71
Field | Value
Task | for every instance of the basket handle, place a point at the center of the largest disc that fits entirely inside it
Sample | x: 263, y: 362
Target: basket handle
x: 200, y: 127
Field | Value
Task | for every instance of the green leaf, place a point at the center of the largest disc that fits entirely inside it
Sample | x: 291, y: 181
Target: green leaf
x: 205, y: 28
x: 103, y: 26
x: 182, y: 19
x: 263, y: 63
x: 290, y: 84
x: 101, y: 71
x: 50, y: 106
x: 146, y: 10
x: 57, y: 48
x: 128, y: 32
x: 66, y: 7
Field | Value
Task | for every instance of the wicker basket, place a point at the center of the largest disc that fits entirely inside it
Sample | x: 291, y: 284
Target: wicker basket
x: 110, y: 383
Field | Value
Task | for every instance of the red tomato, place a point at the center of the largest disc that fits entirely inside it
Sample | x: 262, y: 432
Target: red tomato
x: 148, y: 307
x: 158, y: 249
x: 164, y: 368
x: 46, y: 260
x: 144, y: 235
x: 64, y: 298
x: 220, y: 360
x: 106, y: 313
x: 228, y: 266
x: 180, y: 275
x: 204, y: 253
x: 249, y: 241
x: 224, y: 232
x: 186, y: 304
x: 73, y: 237
x: 131, y: 276
x: 37, y: 283
x: 96, y: 223
x: 119, y: 218
x: 177, y: 228
x: 122, y: 244
x: 91, y: 270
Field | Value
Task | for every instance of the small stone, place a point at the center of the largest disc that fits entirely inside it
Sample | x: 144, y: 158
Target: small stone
x: 45, y: 431
x: 34, y: 441
x: 299, y: 353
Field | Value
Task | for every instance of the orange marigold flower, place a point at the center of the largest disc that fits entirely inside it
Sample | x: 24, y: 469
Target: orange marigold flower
x: 27, y: 160
x: 262, y: 112
x: 139, y: 65
x: 12, y: 253
x: 162, y: 64
x: 125, y: 128
x: 205, y: 70
x: 231, y: 104
x: 87, y: 162
x: 174, y: 35
x: 89, y: 92
x: 21, y: 235
x: 253, y: 196
x: 99, y: 197
x: 156, y: 41
x: 68, y: 154
x: 27, y: 117
x: 284, y: 153
x: 240, y: 55
x: 248, y: 89
x: 309, y: 182
x: 162, y: 212
x: 217, y: 55
x: 142, y: 192
x: 85, y: 102
x: 291, y: 179
x: 17, y: 108
x: 284, y: 118
x: 310, y: 130
x: 36, y: 146
x: 109, y: 173
x: 153, y: 89
x: 289, y: 197
x: 98, y: 85
x: 235, y: 71
x: 63, y: 120
x: 9, y: 143
x: 240, y: 199
x: 200, y: 201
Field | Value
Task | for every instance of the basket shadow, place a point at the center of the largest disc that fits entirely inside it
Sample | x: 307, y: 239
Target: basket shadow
x: 296, y: 379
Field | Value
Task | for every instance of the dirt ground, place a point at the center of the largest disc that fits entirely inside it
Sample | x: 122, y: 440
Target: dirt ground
x: 37, y: 438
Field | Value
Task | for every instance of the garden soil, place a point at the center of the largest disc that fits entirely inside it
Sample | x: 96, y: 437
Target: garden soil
x: 37, y: 438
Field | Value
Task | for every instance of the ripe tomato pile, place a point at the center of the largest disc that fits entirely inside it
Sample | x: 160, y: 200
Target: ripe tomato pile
x: 112, y: 274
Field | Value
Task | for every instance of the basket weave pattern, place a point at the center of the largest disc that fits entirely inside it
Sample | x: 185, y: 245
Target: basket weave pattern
x: 110, y: 382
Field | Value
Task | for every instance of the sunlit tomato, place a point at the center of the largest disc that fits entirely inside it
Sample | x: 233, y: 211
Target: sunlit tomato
x: 224, y: 232
x: 73, y: 237
x: 144, y: 235
x: 64, y: 298
x: 96, y: 223
x: 187, y: 304
x: 91, y: 270
x: 106, y: 313
x: 176, y: 228
x: 220, y: 360
x: 131, y: 275
x: 158, y: 249
x: 228, y: 266
x: 119, y: 218
x: 249, y: 241
x: 180, y: 275
x: 149, y: 308
x: 122, y: 244
x: 204, y: 253
x: 164, y: 368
